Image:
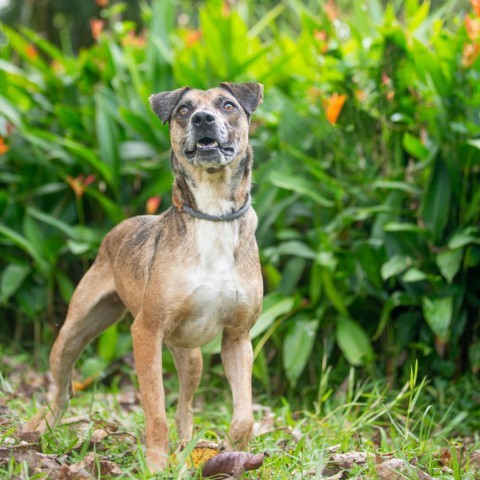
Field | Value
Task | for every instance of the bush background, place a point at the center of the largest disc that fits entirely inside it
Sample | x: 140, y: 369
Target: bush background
x: 367, y: 152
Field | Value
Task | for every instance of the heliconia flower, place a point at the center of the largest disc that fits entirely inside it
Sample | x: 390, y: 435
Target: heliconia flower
x: 470, y: 54
x: 321, y: 37
x: 80, y: 184
x: 333, y: 106
x: 331, y: 10
x: 476, y: 6
x: 96, y: 26
x: 4, y: 148
x: 134, y: 40
x: 31, y: 51
x: 226, y: 8
x: 152, y: 204
x: 102, y: 3
x: 193, y: 37
x: 472, y: 26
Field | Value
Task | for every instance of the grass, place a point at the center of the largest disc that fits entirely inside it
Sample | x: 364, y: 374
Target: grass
x: 359, y: 431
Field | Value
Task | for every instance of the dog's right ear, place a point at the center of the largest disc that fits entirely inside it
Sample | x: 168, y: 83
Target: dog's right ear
x: 163, y: 103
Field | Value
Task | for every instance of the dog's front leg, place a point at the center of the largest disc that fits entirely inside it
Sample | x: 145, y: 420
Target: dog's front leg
x: 147, y: 348
x: 237, y: 358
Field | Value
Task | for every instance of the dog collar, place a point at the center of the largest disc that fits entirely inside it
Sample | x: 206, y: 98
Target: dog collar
x: 219, y: 218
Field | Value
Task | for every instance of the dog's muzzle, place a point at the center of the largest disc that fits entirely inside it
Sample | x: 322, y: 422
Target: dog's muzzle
x: 207, y: 139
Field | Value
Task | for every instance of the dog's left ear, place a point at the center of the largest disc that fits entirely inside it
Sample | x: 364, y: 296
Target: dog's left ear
x: 163, y: 103
x: 249, y: 95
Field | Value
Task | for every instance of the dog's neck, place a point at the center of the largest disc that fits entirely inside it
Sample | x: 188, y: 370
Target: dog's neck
x: 217, y: 193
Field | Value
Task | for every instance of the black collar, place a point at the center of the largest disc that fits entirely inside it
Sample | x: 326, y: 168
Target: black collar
x: 219, y: 218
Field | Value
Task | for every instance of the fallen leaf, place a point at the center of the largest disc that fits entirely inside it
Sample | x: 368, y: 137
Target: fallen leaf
x: 350, y: 459
x: 397, y: 469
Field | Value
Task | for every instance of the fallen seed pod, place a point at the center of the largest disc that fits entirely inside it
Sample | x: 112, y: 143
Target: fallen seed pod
x: 232, y: 464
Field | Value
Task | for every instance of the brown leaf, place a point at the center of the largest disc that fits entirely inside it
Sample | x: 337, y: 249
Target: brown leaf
x: 98, y: 435
x: 30, y: 437
x: 350, y: 459
x: 265, y: 425
x: 66, y: 473
x: 396, y: 469
x: 232, y: 464
x: 37, y: 462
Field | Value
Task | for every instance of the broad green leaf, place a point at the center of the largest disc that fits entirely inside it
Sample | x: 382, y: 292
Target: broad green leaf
x: 26, y: 246
x: 449, y: 263
x: 65, y: 286
x: 297, y: 346
x: 436, y: 202
x: 12, y: 277
x: 107, y: 343
x: 299, y: 185
x: 466, y: 237
x: 274, y: 306
x: 414, y: 275
x: 438, y: 315
x: 395, y: 265
x: 353, y: 342
x: 332, y: 292
x: 296, y: 248
x: 415, y: 147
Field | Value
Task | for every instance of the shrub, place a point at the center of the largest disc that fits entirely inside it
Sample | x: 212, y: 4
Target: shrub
x: 366, y: 182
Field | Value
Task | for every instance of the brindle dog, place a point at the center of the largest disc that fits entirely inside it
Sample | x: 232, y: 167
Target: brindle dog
x: 186, y: 275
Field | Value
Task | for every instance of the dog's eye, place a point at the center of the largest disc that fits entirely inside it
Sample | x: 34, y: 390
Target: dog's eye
x: 229, y: 106
x: 183, y: 110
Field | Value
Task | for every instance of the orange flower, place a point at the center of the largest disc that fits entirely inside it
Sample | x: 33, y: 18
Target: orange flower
x: 476, y: 6
x: 470, y: 54
x: 96, y: 26
x: 79, y: 184
x: 102, y: 3
x: 152, y: 204
x: 57, y: 67
x: 472, y: 26
x: 331, y: 10
x: 4, y: 148
x: 193, y: 37
x: 31, y: 51
x: 226, y: 8
x: 333, y: 106
x: 321, y: 37
x: 134, y: 40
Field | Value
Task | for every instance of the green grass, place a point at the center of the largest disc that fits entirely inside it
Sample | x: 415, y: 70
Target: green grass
x: 427, y: 427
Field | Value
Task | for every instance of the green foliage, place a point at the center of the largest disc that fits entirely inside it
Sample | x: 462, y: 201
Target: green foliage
x: 366, y: 180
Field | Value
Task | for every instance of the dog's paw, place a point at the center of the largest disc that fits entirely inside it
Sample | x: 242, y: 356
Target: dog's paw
x: 157, y: 461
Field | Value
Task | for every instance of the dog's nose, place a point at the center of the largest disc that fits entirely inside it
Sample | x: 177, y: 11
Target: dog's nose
x: 203, y: 118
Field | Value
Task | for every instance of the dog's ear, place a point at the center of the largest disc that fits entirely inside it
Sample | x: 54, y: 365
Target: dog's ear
x: 249, y: 95
x: 163, y: 103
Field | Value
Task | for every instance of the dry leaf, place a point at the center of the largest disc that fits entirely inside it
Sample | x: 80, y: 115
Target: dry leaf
x: 396, y: 469
x: 350, y: 459
x: 232, y: 464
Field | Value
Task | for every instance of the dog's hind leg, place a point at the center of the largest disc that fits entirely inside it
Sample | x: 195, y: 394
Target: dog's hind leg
x: 94, y: 307
x: 189, y: 364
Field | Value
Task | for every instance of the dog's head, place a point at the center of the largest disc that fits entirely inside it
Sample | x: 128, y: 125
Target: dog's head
x: 209, y: 128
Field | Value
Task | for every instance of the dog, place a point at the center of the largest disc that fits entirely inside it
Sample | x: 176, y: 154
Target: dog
x: 186, y: 275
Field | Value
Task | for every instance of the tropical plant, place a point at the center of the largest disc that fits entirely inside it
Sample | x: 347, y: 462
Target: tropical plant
x: 367, y: 172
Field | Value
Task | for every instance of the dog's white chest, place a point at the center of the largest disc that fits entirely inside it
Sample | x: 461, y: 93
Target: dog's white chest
x: 214, y: 289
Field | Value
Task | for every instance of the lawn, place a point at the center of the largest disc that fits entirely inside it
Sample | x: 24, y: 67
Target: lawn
x: 361, y: 430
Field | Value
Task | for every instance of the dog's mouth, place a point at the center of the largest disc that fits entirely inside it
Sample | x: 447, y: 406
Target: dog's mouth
x: 207, y: 145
